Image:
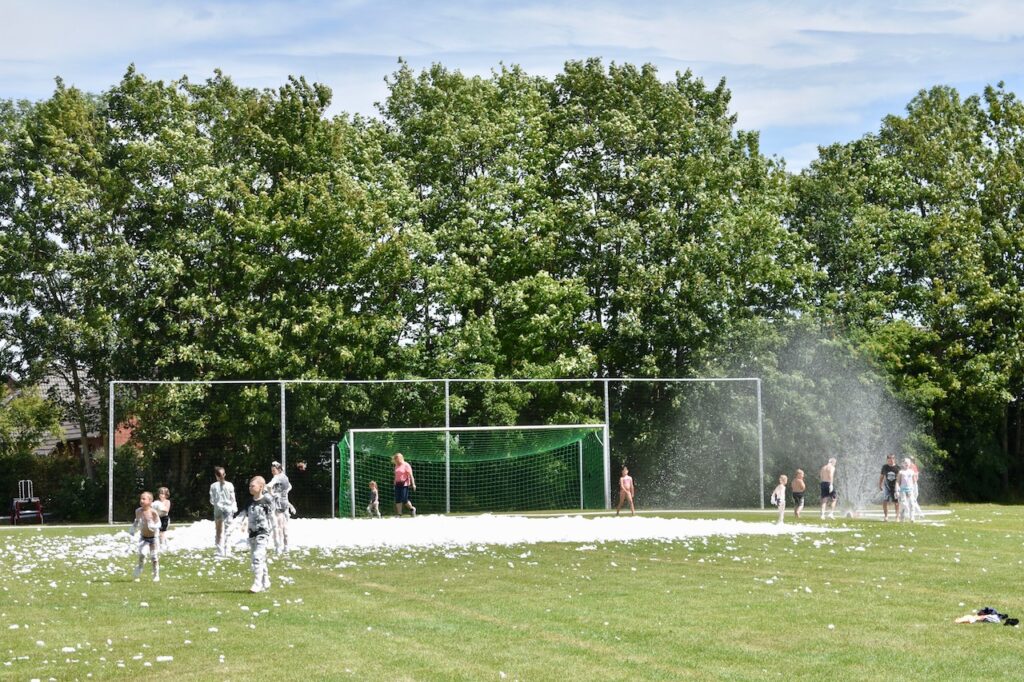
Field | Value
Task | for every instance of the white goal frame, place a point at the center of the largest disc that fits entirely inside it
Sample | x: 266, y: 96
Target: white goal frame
x: 284, y: 383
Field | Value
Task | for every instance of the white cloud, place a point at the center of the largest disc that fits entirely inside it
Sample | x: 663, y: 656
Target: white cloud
x: 799, y: 156
x: 810, y: 63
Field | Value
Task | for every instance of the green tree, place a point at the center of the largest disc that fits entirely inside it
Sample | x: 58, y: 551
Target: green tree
x: 915, y: 230
x: 57, y: 249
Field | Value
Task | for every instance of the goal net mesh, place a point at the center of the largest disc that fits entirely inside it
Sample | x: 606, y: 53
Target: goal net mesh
x: 513, y: 469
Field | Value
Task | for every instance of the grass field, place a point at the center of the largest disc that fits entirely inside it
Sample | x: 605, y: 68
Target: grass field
x: 875, y: 602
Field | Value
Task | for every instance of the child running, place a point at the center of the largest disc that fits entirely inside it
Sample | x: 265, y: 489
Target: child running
x: 626, y: 491
x: 147, y: 524
x: 799, y: 487
x: 260, y: 514
x: 162, y: 505
x: 373, y: 509
x: 779, y: 497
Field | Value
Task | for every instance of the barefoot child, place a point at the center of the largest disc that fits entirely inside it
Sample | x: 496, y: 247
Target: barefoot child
x: 779, y: 497
x: 147, y: 524
x: 222, y: 497
x: 278, y: 489
x: 625, y: 491
x: 799, y: 486
x: 905, y: 483
x: 260, y: 514
x: 373, y: 509
x: 162, y: 505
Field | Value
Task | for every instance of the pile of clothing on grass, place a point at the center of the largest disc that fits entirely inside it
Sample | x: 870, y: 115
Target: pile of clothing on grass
x: 988, y: 615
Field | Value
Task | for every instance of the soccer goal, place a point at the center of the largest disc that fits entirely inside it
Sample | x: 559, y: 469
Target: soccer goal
x: 479, y: 469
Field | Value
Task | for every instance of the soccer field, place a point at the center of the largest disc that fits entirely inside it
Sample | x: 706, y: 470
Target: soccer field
x: 863, y: 600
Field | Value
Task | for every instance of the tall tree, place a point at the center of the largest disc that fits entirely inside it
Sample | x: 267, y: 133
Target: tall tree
x: 916, y: 231
x: 58, y: 249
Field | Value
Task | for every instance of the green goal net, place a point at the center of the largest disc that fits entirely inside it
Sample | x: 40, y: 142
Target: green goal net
x: 477, y: 469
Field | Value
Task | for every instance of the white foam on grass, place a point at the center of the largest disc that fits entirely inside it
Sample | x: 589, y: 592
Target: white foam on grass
x: 488, y: 529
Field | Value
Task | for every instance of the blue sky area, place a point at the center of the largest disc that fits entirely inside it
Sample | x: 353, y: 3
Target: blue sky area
x: 804, y: 73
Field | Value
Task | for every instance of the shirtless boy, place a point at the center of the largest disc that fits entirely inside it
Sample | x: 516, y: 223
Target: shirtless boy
x: 827, y: 475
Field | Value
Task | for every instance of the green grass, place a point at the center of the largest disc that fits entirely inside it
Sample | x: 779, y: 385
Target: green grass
x: 738, y: 608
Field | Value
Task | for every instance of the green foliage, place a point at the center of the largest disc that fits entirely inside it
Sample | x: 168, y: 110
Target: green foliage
x: 917, y: 230
x: 26, y: 418
x: 601, y: 222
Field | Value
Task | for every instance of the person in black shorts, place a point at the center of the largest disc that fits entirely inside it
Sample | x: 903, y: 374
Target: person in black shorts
x: 829, y: 496
x: 799, y: 487
x: 887, y: 484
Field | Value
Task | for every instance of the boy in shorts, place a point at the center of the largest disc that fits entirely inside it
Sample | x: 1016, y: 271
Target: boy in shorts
x: 147, y: 524
x: 827, y: 475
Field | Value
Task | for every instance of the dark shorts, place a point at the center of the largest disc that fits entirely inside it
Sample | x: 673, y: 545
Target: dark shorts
x: 401, y: 494
x: 889, y: 494
x: 164, y: 522
x: 825, y: 494
x: 798, y: 498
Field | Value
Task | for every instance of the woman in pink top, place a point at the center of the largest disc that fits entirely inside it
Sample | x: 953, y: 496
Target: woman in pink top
x: 404, y: 481
x: 625, y: 491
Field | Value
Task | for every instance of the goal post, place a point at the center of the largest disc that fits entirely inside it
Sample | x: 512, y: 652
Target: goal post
x: 675, y: 434
x: 479, y: 469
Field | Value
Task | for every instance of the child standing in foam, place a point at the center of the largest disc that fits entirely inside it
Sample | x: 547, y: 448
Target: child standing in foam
x: 260, y: 514
x: 278, y: 488
x: 779, y: 497
x: 799, y: 487
x: 905, y: 483
x: 373, y: 509
x: 222, y: 497
x: 147, y: 524
x: 626, y: 491
x: 162, y: 505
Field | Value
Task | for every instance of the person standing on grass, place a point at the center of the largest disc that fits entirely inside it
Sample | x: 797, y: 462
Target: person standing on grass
x: 259, y: 512
x: 905, y: 484
x: 373, y: 509
x: 278, y: 490
x: 147, y: 525
x: 404, y: 482
x: 887, y: 484
x: 626, y: 491
x: 779, y: 498
x: 222, y: 497
x: 829, y: 496
x: 162, y: 505
x: 917, y: 479
x: 799, y: 487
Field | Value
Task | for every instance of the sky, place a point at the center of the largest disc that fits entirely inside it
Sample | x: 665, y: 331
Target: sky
x: 802, y: 72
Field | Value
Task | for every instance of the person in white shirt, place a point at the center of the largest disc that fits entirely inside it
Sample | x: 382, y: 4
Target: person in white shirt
x: 222, y: 497
x: 905, y: 484
x: 779, y: 497
x: 278, y: 489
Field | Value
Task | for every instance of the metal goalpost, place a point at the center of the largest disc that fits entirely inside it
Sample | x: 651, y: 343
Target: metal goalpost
x: 283, y: 385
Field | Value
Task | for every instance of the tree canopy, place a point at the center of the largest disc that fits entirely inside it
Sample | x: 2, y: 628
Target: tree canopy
x: 602, y: 222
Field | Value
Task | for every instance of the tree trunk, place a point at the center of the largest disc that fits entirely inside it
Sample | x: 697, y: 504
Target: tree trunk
x: 83, y: 425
